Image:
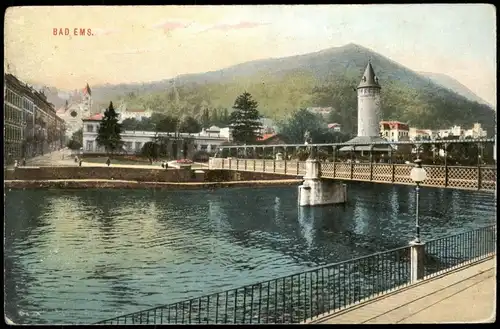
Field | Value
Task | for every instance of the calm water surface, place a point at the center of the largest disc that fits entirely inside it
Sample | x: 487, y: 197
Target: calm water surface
x: 80, y: 256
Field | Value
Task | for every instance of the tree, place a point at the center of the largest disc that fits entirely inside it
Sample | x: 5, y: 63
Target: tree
x: 205, y: 118
x: 150, y: 150
x: 78, y: 136
x: 130, y: 124
x: 189, y: 125
x: 167, y: 124
x: 108, y: 135
x: 76, y: 141
x: 244, y: 120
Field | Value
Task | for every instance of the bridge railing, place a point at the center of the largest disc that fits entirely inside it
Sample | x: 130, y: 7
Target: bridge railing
x: 454, y: 251
x: 303, y: 296
x: 462, y: 177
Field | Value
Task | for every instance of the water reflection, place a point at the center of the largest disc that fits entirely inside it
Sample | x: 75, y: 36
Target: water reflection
x: 81, y: 256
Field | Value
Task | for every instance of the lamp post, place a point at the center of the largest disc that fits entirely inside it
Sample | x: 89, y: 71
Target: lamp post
x: 418, y: 175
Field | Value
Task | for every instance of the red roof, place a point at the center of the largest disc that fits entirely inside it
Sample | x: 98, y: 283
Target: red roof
x: 395, y: 125
x: 266, y: 137
x: 333, y: 125
x: 95, y: 117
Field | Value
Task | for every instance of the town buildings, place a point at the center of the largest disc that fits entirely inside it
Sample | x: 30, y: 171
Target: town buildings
x: 320, y: 110
x: 208, y: 140
x: 336, y: 127
x: 129, y: 113
x: 78, y: 106
x: 394, y: 131
x: 456, y: 132
x: 31, y: 126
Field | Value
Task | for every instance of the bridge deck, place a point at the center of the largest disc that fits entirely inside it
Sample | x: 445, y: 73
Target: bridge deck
x: 464, y: 295
x: 456, y: 177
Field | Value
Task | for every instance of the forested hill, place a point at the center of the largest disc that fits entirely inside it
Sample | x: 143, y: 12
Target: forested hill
x: 324, y: 78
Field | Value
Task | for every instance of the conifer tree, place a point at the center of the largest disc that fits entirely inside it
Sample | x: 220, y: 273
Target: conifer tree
x: 245, y: 120
x: 109, y: 131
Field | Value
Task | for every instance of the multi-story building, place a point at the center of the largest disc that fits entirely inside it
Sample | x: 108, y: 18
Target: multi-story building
x: 335, y: 127
x: 129, y: 113
x: 321, y: 110
x: 476, y: 132
x: 31, y: 124
x: 394, y: 130
x: 207, y: 140
x: 421, y: 134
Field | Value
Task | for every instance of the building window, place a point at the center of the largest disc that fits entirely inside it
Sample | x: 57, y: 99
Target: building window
x: 213, y: 147
x: 90, y: 145
x: 138, y: 146
x: 128, y: 146
x: 392, y: 133
x: 90, y: 128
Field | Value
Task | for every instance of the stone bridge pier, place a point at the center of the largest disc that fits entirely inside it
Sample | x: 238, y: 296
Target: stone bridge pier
x: 315, y: 191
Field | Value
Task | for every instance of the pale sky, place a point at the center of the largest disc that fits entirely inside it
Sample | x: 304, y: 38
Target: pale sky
x: 149, y: 43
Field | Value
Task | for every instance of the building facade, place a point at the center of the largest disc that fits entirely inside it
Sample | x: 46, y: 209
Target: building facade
x: 126, y: 113
x: 31, y: 126
x: 207, y: 140
x: 394, y: 131
x: 78, y: 107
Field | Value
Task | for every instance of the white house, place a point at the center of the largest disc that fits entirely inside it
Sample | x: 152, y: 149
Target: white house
x: 208, y: 140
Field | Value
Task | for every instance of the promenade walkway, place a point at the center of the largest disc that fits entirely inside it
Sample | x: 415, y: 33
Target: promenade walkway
x: 466, y: 295
x: 63, y: 157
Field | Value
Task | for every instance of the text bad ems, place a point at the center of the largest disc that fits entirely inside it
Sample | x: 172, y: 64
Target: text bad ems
x: 72, y: 31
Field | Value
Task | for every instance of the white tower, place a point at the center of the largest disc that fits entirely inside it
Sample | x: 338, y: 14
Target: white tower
x: 369, y: 104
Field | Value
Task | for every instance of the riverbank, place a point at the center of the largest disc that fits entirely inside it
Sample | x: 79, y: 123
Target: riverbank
x: 124, y: 184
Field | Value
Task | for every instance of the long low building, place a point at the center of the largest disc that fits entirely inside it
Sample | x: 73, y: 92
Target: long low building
x: 207, y: 140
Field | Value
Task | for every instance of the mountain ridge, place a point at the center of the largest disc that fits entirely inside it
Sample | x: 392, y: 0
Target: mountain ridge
x: 321, y: 78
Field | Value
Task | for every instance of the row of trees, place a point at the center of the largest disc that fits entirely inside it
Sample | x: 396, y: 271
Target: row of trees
x: 163, y: 123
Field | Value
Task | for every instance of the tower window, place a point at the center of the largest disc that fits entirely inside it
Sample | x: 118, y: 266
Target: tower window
x: 364, y: 78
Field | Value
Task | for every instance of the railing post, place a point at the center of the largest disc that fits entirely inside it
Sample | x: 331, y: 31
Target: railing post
x: 264, y: 160
x: 478, y: 166
x: 230, y: 167
x: 352, y: 161
x: 254, y: 165
x: 237, y: 163
x: 417, y: 256
x: 274, y: 159
x: 285, y: 156
x: 445, y: 165
x: 371, y: 162
x: 297, y: 166
x: 393, y: 172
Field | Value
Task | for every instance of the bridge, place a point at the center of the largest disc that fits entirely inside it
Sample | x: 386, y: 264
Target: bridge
x: 468, y: 167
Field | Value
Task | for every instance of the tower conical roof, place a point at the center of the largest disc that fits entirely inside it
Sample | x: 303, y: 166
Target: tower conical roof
x: 369, y: 78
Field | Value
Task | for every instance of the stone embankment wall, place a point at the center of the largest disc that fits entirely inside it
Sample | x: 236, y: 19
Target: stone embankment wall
x: 116, y: 177
x: 115, y: 173
x: 88, y: 184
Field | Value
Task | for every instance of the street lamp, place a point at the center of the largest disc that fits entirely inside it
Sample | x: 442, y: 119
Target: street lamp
x: 418, y: 175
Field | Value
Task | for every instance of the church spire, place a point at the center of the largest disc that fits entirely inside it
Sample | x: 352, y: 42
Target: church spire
x: 369, y: 78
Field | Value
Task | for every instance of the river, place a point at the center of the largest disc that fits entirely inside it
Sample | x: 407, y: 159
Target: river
x: 81, y: 256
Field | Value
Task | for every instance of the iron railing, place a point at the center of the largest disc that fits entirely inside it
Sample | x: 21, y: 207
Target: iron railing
x: 304, y: 296
x: 290, y: 299
x: 456, y: 177
x: 455, y: 251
